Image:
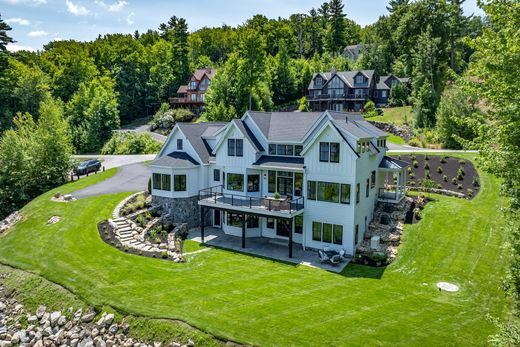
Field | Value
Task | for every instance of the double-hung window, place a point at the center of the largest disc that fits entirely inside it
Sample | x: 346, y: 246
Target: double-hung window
x: 329, y: 152
x: 179, y: 144
x: 345, y: 194
x: 367, y: 188
x: 235, y: 147
x: 216, y: 175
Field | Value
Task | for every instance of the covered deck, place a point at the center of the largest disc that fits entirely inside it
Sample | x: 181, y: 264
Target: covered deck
x: 264, y: 247
x: 282, y: 210
x: 392, y: 180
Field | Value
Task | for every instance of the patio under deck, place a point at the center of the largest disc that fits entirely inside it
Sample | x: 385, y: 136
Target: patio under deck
x: 275, y: 249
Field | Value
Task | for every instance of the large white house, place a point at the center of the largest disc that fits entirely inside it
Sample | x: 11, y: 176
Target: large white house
x: 311, y: 178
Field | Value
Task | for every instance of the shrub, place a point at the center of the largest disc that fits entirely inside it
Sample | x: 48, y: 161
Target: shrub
x: 460, y: 186
x: 439, y: 169
x: 443, y: 159
x: 445, y: 178
x: 164, y: 254
x: 369, y: 109
x: 411, y: 183
x: 469, y: 192
x: 462, y: 162
x: 411, y: 175
x: 426, y: 166
x: 140, y: 221
x: 415, y: 164
x: 454, y: 180
x: 168, y: 227
x: 150, y: 185
x: 427, y: 175
x: 126, y: 248
x: 158, y: 240
x: 276, y: 195
x: 165, y: 118
x: 426, y: 157
x: 439, y: 186
x: 475, y: 182
x: 460, y: 174
x: 152, y: 233
x: 131, y: 143
x: 417, y: 212
x: 413, y: 157
x: 148, y: 215
x: 414, y: 142
x: 159, y: 228
x: 409, y: 169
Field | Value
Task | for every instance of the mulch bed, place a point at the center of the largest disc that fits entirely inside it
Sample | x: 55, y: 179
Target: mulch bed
x: 449, y: 169
x: 107, y: 235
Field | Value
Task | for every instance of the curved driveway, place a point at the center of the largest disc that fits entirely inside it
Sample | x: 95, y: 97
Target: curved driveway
x: 129, y: 178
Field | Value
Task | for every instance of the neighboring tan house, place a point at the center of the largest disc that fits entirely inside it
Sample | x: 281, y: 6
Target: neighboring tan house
x: 329, y: 168
x: 193, y: 95
x: 349, y: 90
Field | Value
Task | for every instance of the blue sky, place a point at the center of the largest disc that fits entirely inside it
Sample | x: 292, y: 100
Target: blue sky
x: 36, y: 22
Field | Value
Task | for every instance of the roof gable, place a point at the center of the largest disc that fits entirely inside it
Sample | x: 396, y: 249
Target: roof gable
x: 244, y: 130
x: 328, y: 124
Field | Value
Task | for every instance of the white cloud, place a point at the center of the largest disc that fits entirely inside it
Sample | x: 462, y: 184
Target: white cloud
x: 37, y: 33
x: 20, y: 21
x: 115, y: 7
x: 13, y: 47
x: 130, y: 18
x: 76, y: 9
x: 27, y: 2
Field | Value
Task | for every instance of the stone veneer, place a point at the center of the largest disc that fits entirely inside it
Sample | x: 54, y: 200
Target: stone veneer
x: 181, y: 210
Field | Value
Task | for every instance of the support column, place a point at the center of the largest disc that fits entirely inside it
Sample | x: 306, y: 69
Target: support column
x: 290, y: 237
x: 202, y: 224
x: 243, y: 231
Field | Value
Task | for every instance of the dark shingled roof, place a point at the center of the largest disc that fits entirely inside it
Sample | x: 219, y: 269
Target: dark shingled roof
x: 176, y: 159
x: 392, y: 163
x: 193, y: 133
x: 248, y: 134
x: 346, y: 76
x: 279, y: 161
x: 285, y: 126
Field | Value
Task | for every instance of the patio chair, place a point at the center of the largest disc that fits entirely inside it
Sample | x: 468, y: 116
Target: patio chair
x: 342, y: 253
x: 335, y: 259
x: 323, y: 257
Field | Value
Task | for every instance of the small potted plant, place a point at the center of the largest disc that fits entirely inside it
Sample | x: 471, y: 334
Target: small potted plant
x: 275, y: 201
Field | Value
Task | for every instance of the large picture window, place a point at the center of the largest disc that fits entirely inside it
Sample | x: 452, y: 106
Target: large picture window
x: 328, y: 192
x: 252, y: 222
x: 162, y: 182
x: 328, y: 233
x: 253, y: 183
x: 234, y: 220
x: 179, y: 183
x: 235, y: 182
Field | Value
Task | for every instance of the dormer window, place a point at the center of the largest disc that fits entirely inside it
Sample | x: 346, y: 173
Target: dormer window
x: 318, y: 81
x: 360, y: 79
x: 381, y: 143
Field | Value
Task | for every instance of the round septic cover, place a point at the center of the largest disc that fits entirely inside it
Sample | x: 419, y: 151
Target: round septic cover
x: 448, y: 287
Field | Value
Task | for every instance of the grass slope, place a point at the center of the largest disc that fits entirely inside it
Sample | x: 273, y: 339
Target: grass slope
x: 395, y: 115
x: 264, y: 302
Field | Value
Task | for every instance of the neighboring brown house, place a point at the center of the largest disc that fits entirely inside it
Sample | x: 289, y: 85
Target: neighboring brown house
x: 193, y: 95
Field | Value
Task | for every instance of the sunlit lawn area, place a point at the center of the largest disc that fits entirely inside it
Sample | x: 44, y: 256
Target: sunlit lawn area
x: 262, y: 302
x: 395, y: 115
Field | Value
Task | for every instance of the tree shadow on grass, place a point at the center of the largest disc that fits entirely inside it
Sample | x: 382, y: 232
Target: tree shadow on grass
x: 363, y: 271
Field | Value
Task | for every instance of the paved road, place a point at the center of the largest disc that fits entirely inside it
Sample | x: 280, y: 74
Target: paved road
x: 111, y: 161
x: 138, y: 127
x: 129, y: 178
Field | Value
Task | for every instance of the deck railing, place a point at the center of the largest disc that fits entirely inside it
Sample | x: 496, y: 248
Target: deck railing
x: 337, y: 96
x: 217, y: 195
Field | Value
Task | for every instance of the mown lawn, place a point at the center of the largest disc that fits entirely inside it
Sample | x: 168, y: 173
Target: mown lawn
x: 264, y: 302
x: 395, y: 115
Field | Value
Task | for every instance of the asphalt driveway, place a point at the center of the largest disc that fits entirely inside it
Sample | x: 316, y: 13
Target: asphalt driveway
x: 129, y: 178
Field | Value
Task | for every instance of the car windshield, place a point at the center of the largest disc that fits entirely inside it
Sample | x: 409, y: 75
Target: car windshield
x: 82, y: 165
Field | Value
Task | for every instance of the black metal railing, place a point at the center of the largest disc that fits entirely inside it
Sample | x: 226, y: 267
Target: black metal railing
x: 338, y: 96
x: 216, y: 195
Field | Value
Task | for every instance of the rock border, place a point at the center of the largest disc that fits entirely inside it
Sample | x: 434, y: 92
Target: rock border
x: 10, y: 221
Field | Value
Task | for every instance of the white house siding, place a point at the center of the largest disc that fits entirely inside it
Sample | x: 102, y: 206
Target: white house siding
x: 193, y: 178
x: 230, y: 164
x: 165, y: 171
x: 171, y: 145
x: 328, y: 212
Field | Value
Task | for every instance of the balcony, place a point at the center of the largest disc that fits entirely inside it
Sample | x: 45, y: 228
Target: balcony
x: 177, y: 100
x: 362, y: 96
x: 216, y: 198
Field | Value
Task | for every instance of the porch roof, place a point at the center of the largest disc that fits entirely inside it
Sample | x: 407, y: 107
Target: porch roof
x: 280, y: 162
x: 176, y: 160
x: 389, y: 163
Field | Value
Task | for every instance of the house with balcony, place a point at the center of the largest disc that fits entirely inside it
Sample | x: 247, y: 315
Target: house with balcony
x: 308, y: 179
x: 193, y: 95
x: 349, y: 90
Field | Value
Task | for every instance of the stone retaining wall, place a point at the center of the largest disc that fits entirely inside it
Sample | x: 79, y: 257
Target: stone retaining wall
x: 181, y: 210
x: 403, y: 131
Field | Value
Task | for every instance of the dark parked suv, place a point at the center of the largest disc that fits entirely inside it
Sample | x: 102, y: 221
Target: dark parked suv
x: 87, y: 167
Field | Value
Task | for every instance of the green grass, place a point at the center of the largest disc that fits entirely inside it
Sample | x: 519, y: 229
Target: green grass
x: 396, y: 139
x: 395, y: 115
x: 263, y: 302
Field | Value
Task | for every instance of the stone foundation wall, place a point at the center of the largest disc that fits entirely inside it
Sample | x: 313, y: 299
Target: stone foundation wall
x: 403, y: 131
x: 181, y: 210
